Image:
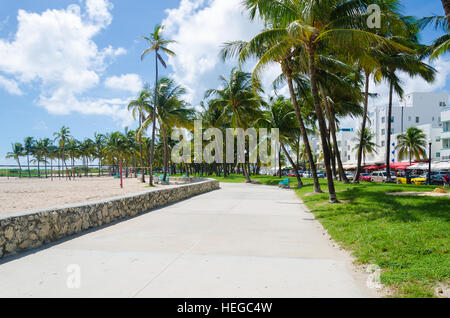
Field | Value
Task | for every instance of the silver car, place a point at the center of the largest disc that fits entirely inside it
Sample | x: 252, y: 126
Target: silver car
x: 381, y: 176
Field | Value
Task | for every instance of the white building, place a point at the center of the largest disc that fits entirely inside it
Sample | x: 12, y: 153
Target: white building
x: 422, y: 110
x: 445, y: 135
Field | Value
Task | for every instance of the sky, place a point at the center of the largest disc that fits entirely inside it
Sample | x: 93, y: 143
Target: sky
x: 77, y: 62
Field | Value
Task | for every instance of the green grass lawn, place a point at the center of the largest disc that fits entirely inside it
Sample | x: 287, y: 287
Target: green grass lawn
x: 408, y: 237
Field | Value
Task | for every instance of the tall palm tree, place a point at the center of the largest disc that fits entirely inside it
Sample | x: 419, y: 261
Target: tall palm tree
x: 16, y: 153
x: 138, y: 105
x: 413, y: 66
x: 46, y: 145
x: 171, y: 111
x: 28, y: 149
x: 238, y: 98
x: 62, y: 136
x: 156, y: 43
x: 87, y: 149
x: 281, y: 115
x: 364, y: 140
x: 412, y: 144
x: 117, y: 148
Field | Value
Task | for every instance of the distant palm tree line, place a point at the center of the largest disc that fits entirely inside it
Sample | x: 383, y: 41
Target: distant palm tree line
x: 327, y: 53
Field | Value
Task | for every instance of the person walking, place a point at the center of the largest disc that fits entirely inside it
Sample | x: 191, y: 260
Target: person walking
x: 446, y: 180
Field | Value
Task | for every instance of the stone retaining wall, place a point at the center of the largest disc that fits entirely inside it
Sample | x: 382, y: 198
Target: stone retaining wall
x: 20, y: 232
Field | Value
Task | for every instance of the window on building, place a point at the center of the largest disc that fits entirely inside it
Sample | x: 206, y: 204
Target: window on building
x: 348, y: 157
x: 392, y: 131
x: 383, y: 132
x: 382, y: 143
x: 339, y: 143
x: 438, y: 139
x: 417, y: 120
x: 442, y: 104
x: 432, y: 118
x: 383, y: 119
x: 409, y: 118
x: 392, y: 119
x: 438, y: 154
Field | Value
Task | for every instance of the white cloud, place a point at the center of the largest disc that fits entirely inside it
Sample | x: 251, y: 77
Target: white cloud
x: 55, y: 50
x: 200, y: 28
x: 127, y: 82
x: 10, y: 86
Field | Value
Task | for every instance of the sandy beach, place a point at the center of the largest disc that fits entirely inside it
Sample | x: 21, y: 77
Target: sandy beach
x: 30, y: 194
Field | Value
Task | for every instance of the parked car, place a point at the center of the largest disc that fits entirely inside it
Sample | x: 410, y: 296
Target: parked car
x: 418, y: 180
x: 291, y: 174
x: 437, y: 177
x: 306, y: 174
x: 320, y: 174
x: 349, y: 176
x: 381, y: 176
x: 365, y: 177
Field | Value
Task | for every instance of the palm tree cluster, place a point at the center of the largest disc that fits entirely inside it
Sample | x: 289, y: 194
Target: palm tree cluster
x: 328, y: 54
x: 65, y: 155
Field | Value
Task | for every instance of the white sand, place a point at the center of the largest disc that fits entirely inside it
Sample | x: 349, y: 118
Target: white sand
x: 30, y: 194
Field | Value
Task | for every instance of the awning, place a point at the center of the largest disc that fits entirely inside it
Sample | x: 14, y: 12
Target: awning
x: 435, y: 166
x: 401, y: 165
x: 374, y: 167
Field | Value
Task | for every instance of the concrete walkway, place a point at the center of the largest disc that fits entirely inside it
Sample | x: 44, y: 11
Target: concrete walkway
x: 240, y: 241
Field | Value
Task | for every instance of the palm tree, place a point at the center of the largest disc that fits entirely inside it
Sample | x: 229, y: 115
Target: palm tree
x: 411, y: 144
x: 171, y: 111
x: 238, y: 98
x: 156, y: 43
x: 117, y: 148
x: 138, y: 105
x: 99, y: 145
x: 28, y: 148
x: 281, y: 115
x: 365, y: 142
x: 16, y: 153
x: 62, y: 136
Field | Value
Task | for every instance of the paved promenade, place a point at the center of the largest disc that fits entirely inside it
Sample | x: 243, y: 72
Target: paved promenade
x: 239, y: 241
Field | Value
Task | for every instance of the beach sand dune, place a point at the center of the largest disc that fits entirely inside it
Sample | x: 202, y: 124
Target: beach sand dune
x: 31, y: 194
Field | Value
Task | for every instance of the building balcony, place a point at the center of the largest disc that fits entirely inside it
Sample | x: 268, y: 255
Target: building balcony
x: 445, y: 114
x: 445, y: 134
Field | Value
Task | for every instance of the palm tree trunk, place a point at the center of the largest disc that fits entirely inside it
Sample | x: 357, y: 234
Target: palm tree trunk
x: 322, y: 125
x: 244, y: 170
x: 45, y: 167
x: 140, y: 149
x: 363, y: 127
x: 332, y: 124
x: 388, y: 134
x: 20, y: 168
x: 152, y: 152
x: 446, y: 5
x: 28, y: 162
x: 163, y: 129
x: 297, y: 175
x: 304, y: 134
